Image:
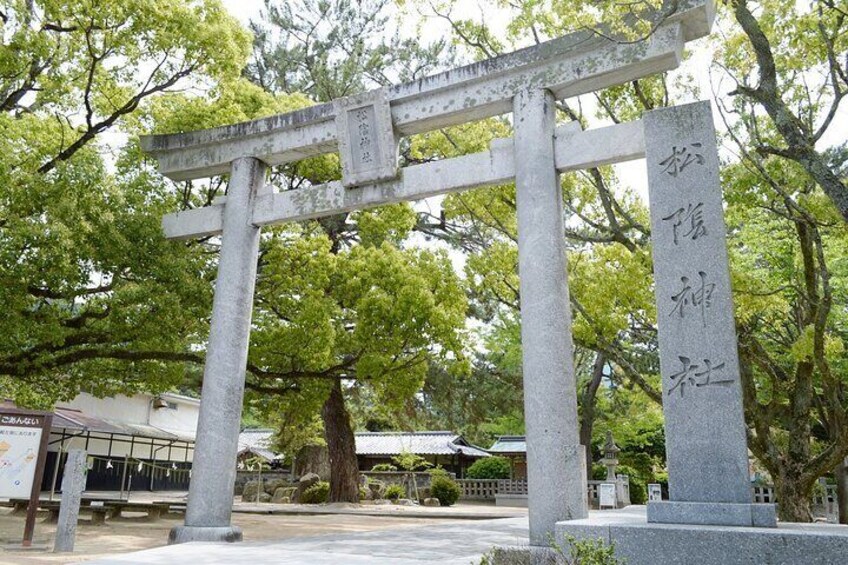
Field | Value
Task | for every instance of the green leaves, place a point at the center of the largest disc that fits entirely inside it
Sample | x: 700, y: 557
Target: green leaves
x: 374, y: 313
x: 93, y: 296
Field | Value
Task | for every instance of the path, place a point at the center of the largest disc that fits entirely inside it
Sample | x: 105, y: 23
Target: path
x: 455, y: 544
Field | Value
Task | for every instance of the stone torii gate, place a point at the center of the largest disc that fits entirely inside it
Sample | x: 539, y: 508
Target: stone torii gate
x: 365, y: 130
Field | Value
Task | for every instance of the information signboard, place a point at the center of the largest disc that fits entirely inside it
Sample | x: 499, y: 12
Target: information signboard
x: 23, y: 450
x: 654, y: 492
x: 606, y: 495
x: 20, y: 442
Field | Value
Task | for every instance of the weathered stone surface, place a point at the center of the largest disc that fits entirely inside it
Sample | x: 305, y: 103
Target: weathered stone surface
x: 308, y: 480
x: 210, y: 497
x: 712, y: 513
x: 555, y: 469
x: 263, y: 497
x: 702, y: 397
x: 248, y: 493
x: 283, y: 494
x: 73, y: 483
x: 574, y: 149
x: 432, y: 502
x: 271, y: 485
x: 642, y: 543
x: 523, y: 555
x: 304, y: 483
x: 367, y: 143
x: 569, y: 65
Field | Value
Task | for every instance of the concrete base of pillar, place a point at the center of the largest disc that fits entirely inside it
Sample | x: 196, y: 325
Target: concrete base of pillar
x: 712, y: 514
x: 643, y: 543
x: 184, y: 534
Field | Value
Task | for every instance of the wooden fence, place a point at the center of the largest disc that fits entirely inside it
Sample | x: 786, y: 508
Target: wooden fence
x: 488, y: 489
x: 824, y: 500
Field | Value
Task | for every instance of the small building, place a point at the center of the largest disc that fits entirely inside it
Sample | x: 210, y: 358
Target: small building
x: 256, y: 443
x: 513, y: 448
x: 139, y: 442
x: 446, y: 449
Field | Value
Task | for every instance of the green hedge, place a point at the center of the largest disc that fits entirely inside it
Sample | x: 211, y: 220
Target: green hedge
x: 445, y: 489
x: 490, y: 468
x: 394, y: 492
x: 316, y: 494
x: 383, y: 468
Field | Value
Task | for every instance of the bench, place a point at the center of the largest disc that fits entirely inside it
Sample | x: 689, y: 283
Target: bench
x: 97, y: 511
x: 96, y: 508
x: 173, y: 506
x: 154, y: 510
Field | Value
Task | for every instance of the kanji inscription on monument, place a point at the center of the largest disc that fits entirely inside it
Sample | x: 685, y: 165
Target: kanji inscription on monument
x: 367, y: 143
x: 702, y: 397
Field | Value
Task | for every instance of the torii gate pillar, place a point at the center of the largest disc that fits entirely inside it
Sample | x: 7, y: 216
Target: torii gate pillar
x: 210, y: 496
x: 555, y: 461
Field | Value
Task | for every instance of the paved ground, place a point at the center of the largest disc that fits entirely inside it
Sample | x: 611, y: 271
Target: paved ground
x: 263, y: 523
x: 451, y: 544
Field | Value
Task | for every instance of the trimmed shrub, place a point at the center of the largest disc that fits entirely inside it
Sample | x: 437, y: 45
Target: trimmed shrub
x: 316, y: 494
x: 383, y: 467
x: 445, y: 489
x: 489, y: 468
x: 394, y: 492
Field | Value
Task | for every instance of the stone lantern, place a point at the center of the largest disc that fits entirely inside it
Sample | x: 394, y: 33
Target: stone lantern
x: 610, y: 460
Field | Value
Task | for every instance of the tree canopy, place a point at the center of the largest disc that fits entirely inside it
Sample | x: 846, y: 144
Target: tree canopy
x: 88, y: 284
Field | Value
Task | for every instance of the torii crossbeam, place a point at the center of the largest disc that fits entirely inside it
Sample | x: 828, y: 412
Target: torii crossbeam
x: 365, y: 130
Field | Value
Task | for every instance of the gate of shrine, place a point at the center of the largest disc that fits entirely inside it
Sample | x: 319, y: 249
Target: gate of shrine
x: 705, y: 433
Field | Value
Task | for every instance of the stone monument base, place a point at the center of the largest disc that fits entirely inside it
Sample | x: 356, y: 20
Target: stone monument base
x: 184, y: 534
x: 712, y: 514
x: 644, y: 543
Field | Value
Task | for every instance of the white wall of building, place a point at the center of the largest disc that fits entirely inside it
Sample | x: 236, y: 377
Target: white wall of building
x: 179, y: 417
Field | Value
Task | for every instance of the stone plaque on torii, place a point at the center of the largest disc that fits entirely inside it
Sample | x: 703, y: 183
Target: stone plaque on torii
x: 705, y: 427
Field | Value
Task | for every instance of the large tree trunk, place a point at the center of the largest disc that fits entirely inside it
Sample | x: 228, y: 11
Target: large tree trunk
x: 587, y: 410
x: 341, y: 444
x: 793, y: 498
x: 842, y: 491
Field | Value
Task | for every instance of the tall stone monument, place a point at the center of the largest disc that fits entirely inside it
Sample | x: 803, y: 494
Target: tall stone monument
x: 73, y: 483
x: 707, y: 452
x: 709, y: 518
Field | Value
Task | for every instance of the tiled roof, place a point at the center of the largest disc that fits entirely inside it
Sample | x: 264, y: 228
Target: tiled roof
x: 420, y: 443
x: 509, y: 444
x: 258, y: 442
